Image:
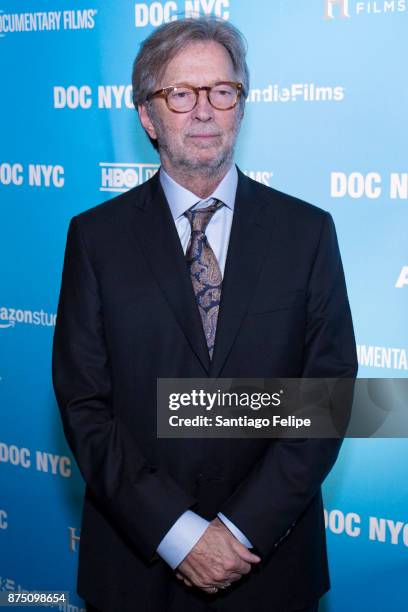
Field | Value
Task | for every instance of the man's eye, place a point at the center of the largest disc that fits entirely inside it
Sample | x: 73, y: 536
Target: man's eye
x: 181, y: 94
x: 223, y: 92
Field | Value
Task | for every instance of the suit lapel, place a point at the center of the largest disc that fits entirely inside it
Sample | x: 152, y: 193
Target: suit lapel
x: 250, y: 235
x: 158, y: 237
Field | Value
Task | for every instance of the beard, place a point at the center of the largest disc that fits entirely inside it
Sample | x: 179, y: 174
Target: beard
x: 191, y: 158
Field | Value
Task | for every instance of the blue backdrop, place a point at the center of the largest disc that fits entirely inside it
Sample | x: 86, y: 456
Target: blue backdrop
x: 326, y: 121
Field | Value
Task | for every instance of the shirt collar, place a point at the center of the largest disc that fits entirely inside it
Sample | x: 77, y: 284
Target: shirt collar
x: 181, y: 199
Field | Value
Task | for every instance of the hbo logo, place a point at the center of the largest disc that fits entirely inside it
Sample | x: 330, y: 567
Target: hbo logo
x: 126, y: 178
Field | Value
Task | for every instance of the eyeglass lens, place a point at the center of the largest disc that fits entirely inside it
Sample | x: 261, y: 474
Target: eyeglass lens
x: 221, y: 96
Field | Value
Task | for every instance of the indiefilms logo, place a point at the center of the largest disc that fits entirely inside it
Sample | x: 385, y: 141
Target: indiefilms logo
x: 345, y: 9
x: 46, y: 21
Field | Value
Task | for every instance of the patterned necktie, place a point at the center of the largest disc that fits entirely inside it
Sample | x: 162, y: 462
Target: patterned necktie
x: 204, y: 270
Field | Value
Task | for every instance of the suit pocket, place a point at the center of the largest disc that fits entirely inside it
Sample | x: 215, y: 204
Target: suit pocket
x: 270, y: 303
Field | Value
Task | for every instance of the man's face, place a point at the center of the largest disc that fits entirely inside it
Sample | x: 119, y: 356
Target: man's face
x: 202, y: 139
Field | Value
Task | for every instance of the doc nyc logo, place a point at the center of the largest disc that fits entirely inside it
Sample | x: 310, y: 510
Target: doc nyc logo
x: 340, y: 6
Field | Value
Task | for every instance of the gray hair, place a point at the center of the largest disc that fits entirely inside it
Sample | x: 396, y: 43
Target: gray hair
x: 158, y: 49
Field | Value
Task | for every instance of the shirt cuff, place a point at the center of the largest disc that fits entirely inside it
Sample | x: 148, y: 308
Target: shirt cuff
x: 181, y: 538
x: 234, y: 529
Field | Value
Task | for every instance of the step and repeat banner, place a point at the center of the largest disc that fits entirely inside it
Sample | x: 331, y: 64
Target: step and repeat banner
x: 326, y: 121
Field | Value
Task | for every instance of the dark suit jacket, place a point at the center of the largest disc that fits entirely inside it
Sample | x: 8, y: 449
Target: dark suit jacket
x: 127, y: 315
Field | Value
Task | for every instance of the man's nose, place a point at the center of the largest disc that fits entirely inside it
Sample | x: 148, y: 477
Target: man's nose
x: 203, y: 109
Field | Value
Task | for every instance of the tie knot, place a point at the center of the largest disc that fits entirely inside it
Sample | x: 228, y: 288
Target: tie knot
x: 200, y: 217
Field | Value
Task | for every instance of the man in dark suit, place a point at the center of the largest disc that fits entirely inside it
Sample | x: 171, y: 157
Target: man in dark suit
x: 199, y: 272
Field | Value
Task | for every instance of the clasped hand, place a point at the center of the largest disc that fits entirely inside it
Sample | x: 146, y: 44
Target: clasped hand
x: 216, y: 560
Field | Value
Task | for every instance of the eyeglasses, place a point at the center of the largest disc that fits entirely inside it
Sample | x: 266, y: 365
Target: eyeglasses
x: 183, y: 98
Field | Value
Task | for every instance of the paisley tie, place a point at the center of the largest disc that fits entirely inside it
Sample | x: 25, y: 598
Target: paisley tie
x: 204, y: 270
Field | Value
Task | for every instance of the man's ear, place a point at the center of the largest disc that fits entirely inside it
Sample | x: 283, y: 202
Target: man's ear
x: 146, y: 121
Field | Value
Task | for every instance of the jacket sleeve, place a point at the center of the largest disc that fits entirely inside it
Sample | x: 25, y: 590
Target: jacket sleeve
x: 268, y: 503
x: 142, y: 501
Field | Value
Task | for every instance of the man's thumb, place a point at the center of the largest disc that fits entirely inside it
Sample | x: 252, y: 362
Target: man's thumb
x: 246, y: 555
